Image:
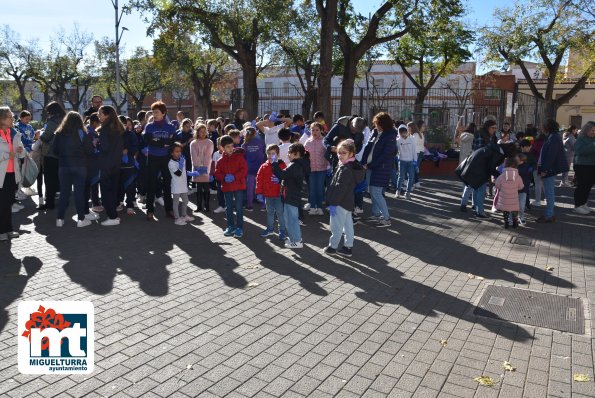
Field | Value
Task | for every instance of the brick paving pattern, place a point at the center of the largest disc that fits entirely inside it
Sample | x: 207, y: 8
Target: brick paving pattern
x: 257, y: 320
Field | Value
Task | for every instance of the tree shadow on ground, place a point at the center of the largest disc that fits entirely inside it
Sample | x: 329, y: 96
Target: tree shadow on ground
x: 12, y: 279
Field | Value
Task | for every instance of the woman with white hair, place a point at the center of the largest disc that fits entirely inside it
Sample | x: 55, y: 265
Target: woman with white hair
x: 11, y: 150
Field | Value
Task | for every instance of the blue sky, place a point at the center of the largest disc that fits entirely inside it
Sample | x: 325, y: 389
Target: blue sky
x: 42, y: 19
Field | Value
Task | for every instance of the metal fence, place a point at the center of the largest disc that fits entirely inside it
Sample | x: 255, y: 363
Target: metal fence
x: 441, y: 109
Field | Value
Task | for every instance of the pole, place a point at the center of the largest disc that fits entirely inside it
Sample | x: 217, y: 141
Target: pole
x: 118, y: 18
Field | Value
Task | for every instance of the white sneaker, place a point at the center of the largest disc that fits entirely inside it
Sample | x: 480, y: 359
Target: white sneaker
x: 59, y: 223
x: 83, y: 223
x: 120, y: 207
x: 307, y: 206
x: 30, y: 192
x: 180, y: 221
x: 587, y: 208
x: 160, y: 202
x: 91, y: 216
x: 189, y: 218
x: 17, y: 207
x: 220, y: 210
x: 522, y: 222
x: 97, y: 209
x: 293, y: 245
x: 418, y: 185
x: 20, y: 195
x: 537, y: 203
x: 397, y: 194
x: 316, y: 212
x: 109, y: 222
x: 582, y: 210
x: 408, y: 196
x: 358, y: 210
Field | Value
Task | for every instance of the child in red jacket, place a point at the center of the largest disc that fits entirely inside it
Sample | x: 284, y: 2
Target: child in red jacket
x: 231, y: 171
x: 269, y: 187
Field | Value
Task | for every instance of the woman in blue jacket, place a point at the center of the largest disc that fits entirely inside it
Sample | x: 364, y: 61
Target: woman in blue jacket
x: 552, y: 161
x: 378, y: 160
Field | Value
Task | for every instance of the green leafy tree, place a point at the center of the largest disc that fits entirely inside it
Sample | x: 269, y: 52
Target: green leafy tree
x: 434, y: 47
x: 14, y: 58
x: 140, y: 75
x: 356, y: 34
x: 546, y: 32
x: 240, y: 28
x: 105, y: 61
x: 195, y: 62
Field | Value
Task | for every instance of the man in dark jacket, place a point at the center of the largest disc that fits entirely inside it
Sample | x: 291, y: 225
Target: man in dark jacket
x: 345, y: 127
x: 552, y: 161
x: 96, y: 102
x: 482, y: 164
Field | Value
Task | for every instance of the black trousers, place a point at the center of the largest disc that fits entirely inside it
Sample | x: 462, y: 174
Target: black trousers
x: 109, y: 192
x: 203, y: 195
x: 7, y: 191
x: 130, y: 191
x: 158, y: 165
x: 585, y: 179
x: 52, y: 182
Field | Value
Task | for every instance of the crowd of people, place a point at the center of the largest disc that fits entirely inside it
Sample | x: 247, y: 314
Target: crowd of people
x: 113, y: 164
x: 512, y: 163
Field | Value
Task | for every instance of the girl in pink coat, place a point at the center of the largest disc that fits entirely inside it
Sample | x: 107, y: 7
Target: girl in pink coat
x: 509, y: 183
x: 201, y: 150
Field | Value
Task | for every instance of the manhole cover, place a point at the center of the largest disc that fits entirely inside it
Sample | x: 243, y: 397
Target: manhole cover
x: 519, y: 240
x: 532, y: 308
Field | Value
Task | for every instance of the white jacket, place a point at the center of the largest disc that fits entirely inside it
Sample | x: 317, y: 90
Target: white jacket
x: 179, y: 184
x: 5, y: 155
x: 420, y: 142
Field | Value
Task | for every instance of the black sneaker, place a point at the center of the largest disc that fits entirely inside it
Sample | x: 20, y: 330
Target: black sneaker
x: 330, y: 250
x: 345, y: 251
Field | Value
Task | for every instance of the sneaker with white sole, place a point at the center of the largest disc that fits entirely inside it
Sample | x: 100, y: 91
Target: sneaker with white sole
x: 293, y: 245
x: 220, y: 210
x: 97, y: 209
x: 17, y: 207
x: 313, y: 211
x: 189, y: 218
x: 537, y: 203
x: 83, y: 223
x: 307, y: 206
x: 408, y: 196
x: 120, y: 207
x: 91, y: 216
x: 59, y: 223
x: 110, y: 222
x: 417, y: 185
x: 397, y: 195
x: 374, y: 218
x: 587, y: 208
x: 358, y: 210
x: 29, y: 192
x: 383, y: 223
x: 160, y: 202
x: 180, y: 221
x: 130, y: 211
x: 581, y: 210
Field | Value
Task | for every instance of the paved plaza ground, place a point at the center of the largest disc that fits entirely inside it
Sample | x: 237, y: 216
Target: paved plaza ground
x: 255, y: 319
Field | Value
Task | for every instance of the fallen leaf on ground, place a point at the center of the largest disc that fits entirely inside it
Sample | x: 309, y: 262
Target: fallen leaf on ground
x: 581, y: 377
x: 252, y: 284
x: 508, y: 367
x: 548, y: 268
x: 444, y: 343
x: 471, y: 276
x: 188, y: 366
x: 485, y: 381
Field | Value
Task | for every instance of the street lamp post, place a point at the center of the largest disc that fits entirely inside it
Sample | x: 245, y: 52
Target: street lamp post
x: 118, y: 15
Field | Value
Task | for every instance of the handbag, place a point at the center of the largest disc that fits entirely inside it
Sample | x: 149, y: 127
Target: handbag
x: 29, y: 172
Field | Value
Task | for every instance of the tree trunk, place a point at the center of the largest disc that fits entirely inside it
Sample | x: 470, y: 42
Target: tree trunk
x: 250, y: 90
x: 328, y: 16
x: 418, y: 107
x: 22, y: 97
x: 349, y: 74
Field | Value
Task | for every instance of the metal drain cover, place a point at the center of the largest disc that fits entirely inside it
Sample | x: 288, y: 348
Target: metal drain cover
x: 519, y: 240
x: 532, y: 308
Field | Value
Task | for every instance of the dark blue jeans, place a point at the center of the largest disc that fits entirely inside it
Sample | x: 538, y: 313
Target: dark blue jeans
x: 229, y: 205
x: 316, y: 189
x: 69, y: 177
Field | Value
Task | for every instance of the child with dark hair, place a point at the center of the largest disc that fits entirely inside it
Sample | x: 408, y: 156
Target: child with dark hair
x: 292, y: 179
x: 179, y: 187
x: 236, y: 136
x: 298, y: 124
x: 268, y: 188
x: 509, y: 183
x: 231, y: 171
x: 285, y: 138
x: 128, y: 171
